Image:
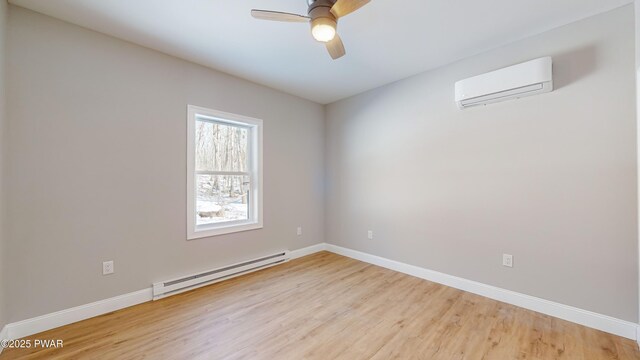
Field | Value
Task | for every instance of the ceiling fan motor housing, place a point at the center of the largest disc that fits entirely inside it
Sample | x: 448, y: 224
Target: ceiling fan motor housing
x: 320, y: 13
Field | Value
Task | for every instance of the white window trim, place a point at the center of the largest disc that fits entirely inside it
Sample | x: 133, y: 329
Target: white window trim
x: 197, y: 232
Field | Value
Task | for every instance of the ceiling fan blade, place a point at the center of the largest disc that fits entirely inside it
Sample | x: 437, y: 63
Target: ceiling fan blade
x: 336, y: 48
x: 345, y: 7
x: 278, y: 16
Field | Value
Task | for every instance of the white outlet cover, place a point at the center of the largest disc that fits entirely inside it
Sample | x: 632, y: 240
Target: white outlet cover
x: 107, y: 268
x: 507, y: 260
x: 299, y: 230
x: 370, y: 234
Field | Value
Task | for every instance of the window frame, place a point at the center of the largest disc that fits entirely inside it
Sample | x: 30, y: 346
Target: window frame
x: 254, y: 125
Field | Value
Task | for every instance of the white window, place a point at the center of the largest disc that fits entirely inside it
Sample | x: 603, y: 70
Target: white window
x: 224, y: 173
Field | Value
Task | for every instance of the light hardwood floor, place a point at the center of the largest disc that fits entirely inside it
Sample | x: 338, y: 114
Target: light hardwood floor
x: 326, y: 306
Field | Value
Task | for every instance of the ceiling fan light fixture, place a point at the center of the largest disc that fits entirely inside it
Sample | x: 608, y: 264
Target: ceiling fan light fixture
x: 323, y: 29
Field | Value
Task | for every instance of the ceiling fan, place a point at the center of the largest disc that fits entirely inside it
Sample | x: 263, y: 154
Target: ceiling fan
x: 323, y: 16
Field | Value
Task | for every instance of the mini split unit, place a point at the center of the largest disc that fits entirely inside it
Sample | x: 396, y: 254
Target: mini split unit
x: 526, y: 79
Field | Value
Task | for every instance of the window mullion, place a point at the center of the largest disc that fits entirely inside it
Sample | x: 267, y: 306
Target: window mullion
x: 229, y: 173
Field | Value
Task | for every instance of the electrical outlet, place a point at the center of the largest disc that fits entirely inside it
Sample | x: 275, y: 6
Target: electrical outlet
x: 370, y: 234
x: 107, y: 267
x: 299, y: 230
x: 507, y: 260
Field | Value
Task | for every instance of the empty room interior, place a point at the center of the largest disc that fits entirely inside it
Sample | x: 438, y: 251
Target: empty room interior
x: 319, y: 179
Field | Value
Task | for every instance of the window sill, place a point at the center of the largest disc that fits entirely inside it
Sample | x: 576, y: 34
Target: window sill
x: 204, y: 232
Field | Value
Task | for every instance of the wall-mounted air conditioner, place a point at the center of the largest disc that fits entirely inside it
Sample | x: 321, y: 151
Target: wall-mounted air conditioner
x: 526, y: 79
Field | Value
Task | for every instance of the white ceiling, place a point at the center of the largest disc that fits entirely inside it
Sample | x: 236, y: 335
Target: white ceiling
x: 386, y: 40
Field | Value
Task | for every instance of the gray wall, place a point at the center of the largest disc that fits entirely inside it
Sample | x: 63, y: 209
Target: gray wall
x: 550, y: 179
x: 637, y: 44
x: 3, y: 32
x: 97, y: 166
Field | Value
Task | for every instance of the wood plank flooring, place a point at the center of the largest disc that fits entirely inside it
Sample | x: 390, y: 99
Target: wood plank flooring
x: 325, y: 306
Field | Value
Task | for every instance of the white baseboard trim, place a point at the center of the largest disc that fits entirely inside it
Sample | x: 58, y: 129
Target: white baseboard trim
x: 579, y: 316
x: 590, y: 319
x: 50, y: 321
x: 308, y: 250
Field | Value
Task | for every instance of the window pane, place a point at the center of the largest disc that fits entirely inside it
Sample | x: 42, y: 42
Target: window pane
x: 221, y: 147
x: 222, y: 198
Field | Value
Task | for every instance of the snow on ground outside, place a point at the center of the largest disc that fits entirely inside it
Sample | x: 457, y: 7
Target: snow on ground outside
x: 235, y: 210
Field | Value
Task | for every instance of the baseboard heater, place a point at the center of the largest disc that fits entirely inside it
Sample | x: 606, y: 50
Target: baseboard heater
x: 190, y: 282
